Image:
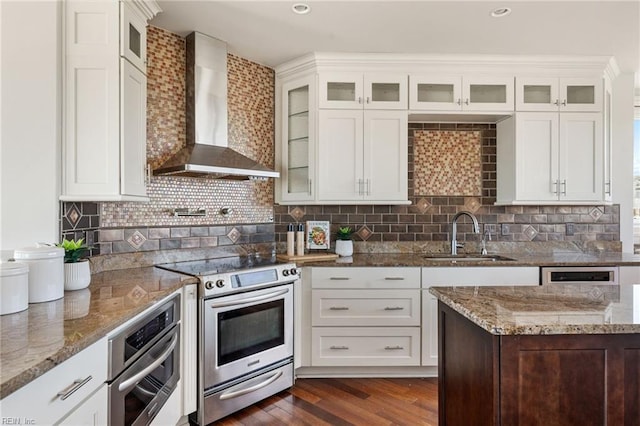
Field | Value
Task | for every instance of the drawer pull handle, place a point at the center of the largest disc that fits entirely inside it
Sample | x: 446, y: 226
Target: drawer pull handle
x: 394, y: 308
x: 339, y: 348
x: 393, y: 348
x: 77, y: 384
x: 394, y: 278
x: 339, y: 278
x: 339, y: 308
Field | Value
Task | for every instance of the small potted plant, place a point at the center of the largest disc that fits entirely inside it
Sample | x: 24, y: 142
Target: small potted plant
x: 77, y: 274
x: 344, y: 244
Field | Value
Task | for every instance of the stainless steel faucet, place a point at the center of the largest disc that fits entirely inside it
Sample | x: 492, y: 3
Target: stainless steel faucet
x: 455, y: 245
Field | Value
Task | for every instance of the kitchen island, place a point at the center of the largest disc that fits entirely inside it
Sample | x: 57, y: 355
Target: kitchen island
x: 543, y: 355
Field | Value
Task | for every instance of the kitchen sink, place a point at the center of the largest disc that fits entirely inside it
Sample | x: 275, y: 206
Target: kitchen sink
x: 466, y: 258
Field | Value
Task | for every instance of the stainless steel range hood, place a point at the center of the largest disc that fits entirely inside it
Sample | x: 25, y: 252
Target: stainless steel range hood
x: 207, y: 153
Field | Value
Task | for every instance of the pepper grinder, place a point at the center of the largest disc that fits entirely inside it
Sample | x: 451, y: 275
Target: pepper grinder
x: 290, y: 240
x: 300, y: 240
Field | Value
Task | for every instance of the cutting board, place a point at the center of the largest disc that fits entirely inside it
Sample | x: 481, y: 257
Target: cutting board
x: 314, y: 257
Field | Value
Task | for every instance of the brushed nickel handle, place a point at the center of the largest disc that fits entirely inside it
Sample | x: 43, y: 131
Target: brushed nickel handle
x: 339, y: 348
x: 368, y: 100
x: 564, y: 102
x: 246, y: 300
x: 131, y: 381
x: 339, y: 278
x: 557, y: 102
x: 466, y: 101
x: 564, y: 187
x: 339, y: 308
x: 394, y: 278
x: 607, y: 185
x: 359, y: 99
x: 394, y: 308
x: 309, y: 186
x: 393, y: 348
x: 459, y: 101
x: 555, y: 185
x: 77, y: 384
x: 250, y: 389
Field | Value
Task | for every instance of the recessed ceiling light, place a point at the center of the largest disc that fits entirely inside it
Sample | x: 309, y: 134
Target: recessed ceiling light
x: 500, y: 12
x: 301, y: 8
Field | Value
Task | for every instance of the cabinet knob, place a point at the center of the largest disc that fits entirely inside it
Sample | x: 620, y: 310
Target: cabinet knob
x: 359, y: 99
x: 466, y: 101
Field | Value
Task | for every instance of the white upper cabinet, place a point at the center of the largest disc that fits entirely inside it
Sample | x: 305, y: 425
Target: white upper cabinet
x: 350, y: 90
x: 460, y: 93
x: 133, y: 37
x: 105, y: 92
x: 362, y: 156
x: 297, y: 136
x: 558, y: 94
x: 550, y: 158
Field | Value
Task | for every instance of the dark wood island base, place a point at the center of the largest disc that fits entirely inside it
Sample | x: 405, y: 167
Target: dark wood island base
x: 569, y: 379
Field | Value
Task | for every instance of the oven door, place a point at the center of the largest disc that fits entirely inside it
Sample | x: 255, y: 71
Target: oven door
x: 245, y: 332
x: 136, y: 396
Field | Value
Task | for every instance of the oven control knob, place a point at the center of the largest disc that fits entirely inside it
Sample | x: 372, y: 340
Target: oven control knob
x: 220, y: 283
x: 285, y: 272
x: 294, y: 271
x: 208, y: 285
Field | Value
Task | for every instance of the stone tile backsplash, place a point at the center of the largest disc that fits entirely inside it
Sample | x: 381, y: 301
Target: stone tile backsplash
x: 80, y: 220
x: 140, y: 239
x: 429, y: 216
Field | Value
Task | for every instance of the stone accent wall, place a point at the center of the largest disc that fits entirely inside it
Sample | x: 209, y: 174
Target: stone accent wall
x: 429, y: 216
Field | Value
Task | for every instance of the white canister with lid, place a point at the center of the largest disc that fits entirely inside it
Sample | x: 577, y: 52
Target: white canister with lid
x: 46, y: 272
x: 14, y: 287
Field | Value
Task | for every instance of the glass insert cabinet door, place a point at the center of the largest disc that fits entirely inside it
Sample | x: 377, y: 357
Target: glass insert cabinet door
x: 558, y: 94
x: 297, y: 140
x: 133, y: 37
x: 460, y: 93
x: 363, y: 91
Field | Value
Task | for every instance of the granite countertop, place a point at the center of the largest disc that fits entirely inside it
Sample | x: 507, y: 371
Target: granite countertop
x: 37, y: 339
x: 548, y: 309
x: 519, y: 259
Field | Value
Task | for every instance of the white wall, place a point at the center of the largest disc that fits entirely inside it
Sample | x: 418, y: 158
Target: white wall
x: 29, y: 122
x: 623, y: 98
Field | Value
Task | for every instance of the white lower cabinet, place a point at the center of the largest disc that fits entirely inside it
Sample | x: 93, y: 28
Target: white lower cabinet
x: 189, y: 350
x: 365, y: 346
x: 66, y: 391
x: 92, y: 412
x: 429, y: 329
x: 458, y: 276
x: 365, y: 317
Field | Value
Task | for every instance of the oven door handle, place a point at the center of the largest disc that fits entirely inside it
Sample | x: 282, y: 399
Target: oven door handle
x: 251, y: 388
x: 132, y: 381
x: 249, y: 299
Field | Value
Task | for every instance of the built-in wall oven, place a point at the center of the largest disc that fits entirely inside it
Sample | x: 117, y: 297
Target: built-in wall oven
x: 245, y: 332
x: 144, y: 365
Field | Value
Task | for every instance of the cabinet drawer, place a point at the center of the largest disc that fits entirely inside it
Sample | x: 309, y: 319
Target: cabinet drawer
x: 365, y: 307
x: 365, y: 346
x: 374, y: 277
x: 40, y: 400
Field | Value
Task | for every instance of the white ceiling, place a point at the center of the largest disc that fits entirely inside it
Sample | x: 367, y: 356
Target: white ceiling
x: 268, y: 32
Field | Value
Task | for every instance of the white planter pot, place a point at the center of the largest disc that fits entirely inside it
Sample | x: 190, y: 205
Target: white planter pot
x: 344, y: 248
x: 77, y: 275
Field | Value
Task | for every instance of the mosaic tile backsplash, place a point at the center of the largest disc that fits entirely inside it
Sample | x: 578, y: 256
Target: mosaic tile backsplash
x: 80, y: 220
x: 251, y: 131
x: 429, y: 216
x: 447, y: 162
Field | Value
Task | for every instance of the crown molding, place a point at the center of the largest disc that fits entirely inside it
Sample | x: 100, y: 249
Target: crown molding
x: 512, y: 64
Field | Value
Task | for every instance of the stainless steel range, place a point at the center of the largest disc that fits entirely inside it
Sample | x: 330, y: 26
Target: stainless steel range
x: 245, y: 331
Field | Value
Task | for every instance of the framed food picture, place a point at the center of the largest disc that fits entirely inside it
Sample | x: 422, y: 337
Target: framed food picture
x: 318, y: 234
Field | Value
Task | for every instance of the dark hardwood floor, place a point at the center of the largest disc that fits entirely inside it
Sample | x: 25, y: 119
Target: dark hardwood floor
x: 343, y: 402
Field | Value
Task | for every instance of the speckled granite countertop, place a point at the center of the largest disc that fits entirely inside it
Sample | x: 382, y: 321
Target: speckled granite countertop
x: 37, y: 339
x: 549, y: 309
x: 519, y: 259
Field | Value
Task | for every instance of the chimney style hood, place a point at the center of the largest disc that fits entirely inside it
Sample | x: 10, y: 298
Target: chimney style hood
x: 207, y: 153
